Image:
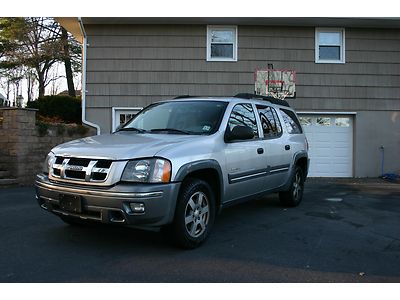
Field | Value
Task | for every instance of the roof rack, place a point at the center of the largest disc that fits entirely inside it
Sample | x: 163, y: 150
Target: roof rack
x: 260, y: 97
x: 184, y: 96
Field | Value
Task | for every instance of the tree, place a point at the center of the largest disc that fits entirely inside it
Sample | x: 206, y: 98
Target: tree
x: 29, y: 43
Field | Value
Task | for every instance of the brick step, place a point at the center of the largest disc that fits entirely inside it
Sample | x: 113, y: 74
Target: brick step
x: 4, y: 174
x: 8, y: 182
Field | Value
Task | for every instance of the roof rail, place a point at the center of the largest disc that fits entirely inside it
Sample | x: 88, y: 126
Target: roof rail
x: 184, y: 96
x: 260, y: 97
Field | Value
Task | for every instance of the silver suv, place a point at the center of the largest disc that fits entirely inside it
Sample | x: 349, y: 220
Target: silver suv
x: 177, y: 163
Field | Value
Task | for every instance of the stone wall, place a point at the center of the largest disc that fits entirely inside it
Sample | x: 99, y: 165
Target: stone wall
x: 25, y: 144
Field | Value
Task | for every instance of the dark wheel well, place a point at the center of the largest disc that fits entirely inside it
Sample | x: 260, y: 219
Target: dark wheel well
x: 302, y: 163
x: 211, y: 176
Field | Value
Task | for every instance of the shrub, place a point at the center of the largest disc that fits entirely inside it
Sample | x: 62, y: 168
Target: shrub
x: 42, y: 128
x: 65, y: 108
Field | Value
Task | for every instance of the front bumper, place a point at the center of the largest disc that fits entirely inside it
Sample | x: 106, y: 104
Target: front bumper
x: 112, y: 204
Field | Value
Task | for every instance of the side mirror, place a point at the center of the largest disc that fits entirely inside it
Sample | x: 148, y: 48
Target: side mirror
x: 239, y: 133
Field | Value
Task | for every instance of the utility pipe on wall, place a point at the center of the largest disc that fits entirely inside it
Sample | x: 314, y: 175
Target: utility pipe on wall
x: 84, y: 79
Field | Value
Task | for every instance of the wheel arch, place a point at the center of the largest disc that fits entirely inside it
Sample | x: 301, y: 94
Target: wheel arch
x: 300, y: 159
x: 208, y: 170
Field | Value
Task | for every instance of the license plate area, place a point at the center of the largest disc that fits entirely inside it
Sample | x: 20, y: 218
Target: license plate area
x: 70, y: 203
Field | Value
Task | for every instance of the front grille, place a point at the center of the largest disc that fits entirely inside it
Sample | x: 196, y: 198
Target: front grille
x: 81, y: 169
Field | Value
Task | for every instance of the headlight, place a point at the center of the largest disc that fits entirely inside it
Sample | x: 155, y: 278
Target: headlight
x: 48, y: 163
x: 147, y: 170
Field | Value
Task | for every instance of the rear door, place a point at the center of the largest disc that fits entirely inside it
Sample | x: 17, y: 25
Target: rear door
x: 278, y: 155
x: 245, y: 159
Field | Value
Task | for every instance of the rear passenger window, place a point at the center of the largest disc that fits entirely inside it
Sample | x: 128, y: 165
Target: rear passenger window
x: 243, y: 115
x: 269, y: 121
x: 291, y: 122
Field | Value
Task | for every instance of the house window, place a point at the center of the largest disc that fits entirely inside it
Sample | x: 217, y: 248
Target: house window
x: 121, y: 115
x: 221, y: 43
x: 329, y: 45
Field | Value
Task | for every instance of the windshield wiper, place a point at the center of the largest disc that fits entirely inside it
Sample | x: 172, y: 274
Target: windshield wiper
x: 132, y: 129
x: 172, y: 130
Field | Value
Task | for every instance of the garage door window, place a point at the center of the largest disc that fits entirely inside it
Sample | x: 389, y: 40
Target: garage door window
x: 305, y: 121
x: 324, y: 121
x: 342, y: 122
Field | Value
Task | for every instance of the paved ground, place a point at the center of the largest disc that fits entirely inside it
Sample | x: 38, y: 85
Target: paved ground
x: 353, y: 237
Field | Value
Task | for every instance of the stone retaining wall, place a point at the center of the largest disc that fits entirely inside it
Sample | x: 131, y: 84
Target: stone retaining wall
x: 24, y: 144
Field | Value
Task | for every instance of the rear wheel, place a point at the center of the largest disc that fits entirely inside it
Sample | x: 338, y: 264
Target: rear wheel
x: 294, y: 195
x: 195, y: 213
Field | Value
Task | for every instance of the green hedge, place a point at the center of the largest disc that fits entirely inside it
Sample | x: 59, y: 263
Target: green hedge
x: 66, y: 108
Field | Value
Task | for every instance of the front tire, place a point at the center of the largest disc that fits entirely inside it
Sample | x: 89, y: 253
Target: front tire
x: 294, y: 195
x: 194, y: 214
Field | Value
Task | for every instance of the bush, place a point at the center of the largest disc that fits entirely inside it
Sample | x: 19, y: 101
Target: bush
x: 66, y: 108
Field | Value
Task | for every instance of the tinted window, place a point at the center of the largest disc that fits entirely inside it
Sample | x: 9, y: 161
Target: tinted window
x: 243, y: 115
x: 269, y: 121
x: 291, y: 122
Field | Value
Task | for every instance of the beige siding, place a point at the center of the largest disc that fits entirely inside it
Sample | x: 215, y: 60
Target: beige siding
x: 135, y: 65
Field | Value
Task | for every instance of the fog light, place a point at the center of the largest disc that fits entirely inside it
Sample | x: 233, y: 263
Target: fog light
x: 137, y: 207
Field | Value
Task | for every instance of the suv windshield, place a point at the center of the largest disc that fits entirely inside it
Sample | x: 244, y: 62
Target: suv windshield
x: 179, y: 117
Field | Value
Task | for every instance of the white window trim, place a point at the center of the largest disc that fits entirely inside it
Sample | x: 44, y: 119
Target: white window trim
x: 114, y: 111
x: 326, y: 112
x: 235, y: 42
x: 342, y: 45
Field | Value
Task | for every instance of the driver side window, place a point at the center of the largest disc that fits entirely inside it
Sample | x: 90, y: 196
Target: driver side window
x: 243, y: 115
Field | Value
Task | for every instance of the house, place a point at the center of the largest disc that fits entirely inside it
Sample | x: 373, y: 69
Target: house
x: 348, y: 76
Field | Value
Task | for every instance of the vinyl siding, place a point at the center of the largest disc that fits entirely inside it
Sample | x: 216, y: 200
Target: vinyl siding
x: 135, y: 65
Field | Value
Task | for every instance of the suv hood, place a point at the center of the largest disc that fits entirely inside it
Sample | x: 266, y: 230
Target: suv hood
x: 121, y: 145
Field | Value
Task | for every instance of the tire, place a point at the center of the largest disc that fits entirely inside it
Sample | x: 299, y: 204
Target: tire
x: 294, y: 195
x: 194, y: 214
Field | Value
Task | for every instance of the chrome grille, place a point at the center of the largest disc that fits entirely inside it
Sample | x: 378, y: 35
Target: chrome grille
x: 81, y: 169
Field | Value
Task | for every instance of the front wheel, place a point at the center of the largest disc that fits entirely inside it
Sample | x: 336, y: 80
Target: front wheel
x: 195, y: 213
x: 294, y: 195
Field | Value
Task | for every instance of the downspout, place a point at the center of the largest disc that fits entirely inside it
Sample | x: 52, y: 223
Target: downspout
x: 84, y: 79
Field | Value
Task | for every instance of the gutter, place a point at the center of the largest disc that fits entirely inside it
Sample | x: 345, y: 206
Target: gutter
x: 84, y: 79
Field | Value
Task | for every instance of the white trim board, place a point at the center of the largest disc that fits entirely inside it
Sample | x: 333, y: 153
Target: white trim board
x: 326, y: 112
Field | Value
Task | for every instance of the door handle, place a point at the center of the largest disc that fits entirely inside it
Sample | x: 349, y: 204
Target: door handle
x: 260, y: 150
x: 287, y: 147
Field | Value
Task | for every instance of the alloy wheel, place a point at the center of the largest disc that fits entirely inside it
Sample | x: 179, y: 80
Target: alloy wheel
x: 197, y: 214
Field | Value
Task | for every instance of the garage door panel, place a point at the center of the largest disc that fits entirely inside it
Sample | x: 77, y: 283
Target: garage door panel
x: 330, y: 139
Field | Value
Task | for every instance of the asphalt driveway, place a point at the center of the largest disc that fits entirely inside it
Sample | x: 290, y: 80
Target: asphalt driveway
x: 344, y: 231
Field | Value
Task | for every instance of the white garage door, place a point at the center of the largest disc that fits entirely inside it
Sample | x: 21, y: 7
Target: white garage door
x: 330, y: 138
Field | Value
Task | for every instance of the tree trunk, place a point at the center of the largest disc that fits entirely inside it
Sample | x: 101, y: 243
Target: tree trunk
x: 41, y: 84
x: 8, y: 89
x: 67, y: 63
x: 29, y: 87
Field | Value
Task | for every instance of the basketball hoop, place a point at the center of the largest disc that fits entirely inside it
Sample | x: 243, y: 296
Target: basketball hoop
x: 279, y: 84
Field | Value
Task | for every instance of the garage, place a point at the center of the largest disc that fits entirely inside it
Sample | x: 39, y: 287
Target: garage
x: 330, y: 138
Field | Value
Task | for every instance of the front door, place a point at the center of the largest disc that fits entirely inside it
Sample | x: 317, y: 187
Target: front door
x: 244, y: 158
